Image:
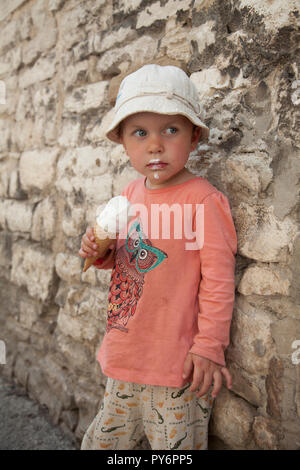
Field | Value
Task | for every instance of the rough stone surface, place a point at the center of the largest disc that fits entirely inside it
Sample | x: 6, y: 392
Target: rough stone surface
x: 61, y: 63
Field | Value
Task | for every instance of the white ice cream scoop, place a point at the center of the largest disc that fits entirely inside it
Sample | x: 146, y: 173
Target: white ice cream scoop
x: 111, y: 219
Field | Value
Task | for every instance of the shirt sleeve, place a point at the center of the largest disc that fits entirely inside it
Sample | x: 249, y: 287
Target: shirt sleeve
x: 217, y: 286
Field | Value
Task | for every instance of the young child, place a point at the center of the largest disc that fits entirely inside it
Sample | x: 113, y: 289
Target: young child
x: 170, y: 305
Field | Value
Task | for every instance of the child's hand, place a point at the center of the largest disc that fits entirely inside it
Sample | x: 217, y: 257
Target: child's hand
x: 88, y: 246
x: 204, y: 371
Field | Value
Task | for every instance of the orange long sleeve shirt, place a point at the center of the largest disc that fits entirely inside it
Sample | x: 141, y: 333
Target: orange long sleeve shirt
x: 166, y: 300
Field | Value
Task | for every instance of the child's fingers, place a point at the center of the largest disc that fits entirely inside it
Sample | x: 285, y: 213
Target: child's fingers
x: 227, y: 376
x: 197, y: 379
x: 206, y: 383
x: 187, y: 366
x: 83, y: 253
x: 90, y: 233
x: 217, y: 384
x: 88, y: 247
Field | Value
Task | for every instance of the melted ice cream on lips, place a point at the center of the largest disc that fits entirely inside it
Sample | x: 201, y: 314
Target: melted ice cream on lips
x: 156, y: 164
x: 113, y: 218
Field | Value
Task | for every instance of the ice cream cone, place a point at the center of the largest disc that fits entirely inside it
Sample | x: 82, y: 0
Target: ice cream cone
x: 103, y: 239
x: 114, y: 218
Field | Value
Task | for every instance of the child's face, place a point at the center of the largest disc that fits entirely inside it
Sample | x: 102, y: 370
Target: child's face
x: 166, y: 139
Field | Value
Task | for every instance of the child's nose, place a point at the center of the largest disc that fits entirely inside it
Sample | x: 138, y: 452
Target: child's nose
x: 155, y: 144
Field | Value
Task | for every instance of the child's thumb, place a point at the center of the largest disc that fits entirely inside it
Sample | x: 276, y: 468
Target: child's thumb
x: 187, y: 366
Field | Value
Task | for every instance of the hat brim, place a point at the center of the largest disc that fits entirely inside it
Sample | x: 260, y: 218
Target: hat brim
x: 157, y: 104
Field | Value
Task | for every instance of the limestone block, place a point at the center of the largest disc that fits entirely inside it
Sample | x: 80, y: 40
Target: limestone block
x: 10, y: 85
x: 297, y: 397
x: 5, y: 254
x: 95, y: 132
x: 209, y: 81
x: 81, y: 172
x: 16, y: 330
x: 252, y: 345
x: 295, y: 97
x: 232, y: 420
x: 104, y: 277
x: 266, y: 433
x: 30, y: 311
x: 59, y: 381
x: 73, y: 225
x: 89, y: 304
x: 139, y: 51
x: 3, y: 208
x: 287, y: 175
x: 9, y: 36
x: 55, y: 5
x: 24, y: 25
x: 276, y: 15
x: 19, y: 216
x: 33, y: 268
x: 100, y: 43
x: 10, y: 61
x: 176, y: 44
x: 24, y: 106
x: 78, y: 328
x: 129, y: 5
x: 264, y: 280
x: 88, y: 403
x: 44, y: 220
x: 70, y: 22
x: 156, y: 12
x: 280, y: 389
x: 76, y: 74
x: 42, y: 42
x: 14, y: 187
x: 5, y: 65
x: 77, y: 355
x: 250, y: 171
x: 81, y: 51
x: 84, y: 162
x: 7, y: 165
x: 246, y: 385
x: 43, y: 395
x: 37, y: 168
x: 204, y: 35
x: 90, y: 276
x: 42, y: 69
x: 5, y: 133
x: 22, y: 135
x: 69, y: 421
x: 44, y: 102
x: 291, y: 329
x: 120, y: 180
x: 262, y: 236
x: 69, y: 133
x: 86, y: 98
x: 68, y: 267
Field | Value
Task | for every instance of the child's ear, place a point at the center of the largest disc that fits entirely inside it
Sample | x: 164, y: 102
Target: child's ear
x: 196, y: 136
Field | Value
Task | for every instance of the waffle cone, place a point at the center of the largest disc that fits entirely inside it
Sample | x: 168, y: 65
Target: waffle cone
x: 103, y: 239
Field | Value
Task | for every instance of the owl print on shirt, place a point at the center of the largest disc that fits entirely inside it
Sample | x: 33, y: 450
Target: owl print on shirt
x: 133, y: 260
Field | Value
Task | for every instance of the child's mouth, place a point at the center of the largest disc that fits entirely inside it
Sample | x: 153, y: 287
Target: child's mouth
x: 156, y: 165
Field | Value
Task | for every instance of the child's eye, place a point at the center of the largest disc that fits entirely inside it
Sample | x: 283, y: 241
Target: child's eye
x: 171, y: 130
x: 140, y: 133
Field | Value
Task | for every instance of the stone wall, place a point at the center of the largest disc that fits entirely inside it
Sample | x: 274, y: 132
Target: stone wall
x: 61, y: 62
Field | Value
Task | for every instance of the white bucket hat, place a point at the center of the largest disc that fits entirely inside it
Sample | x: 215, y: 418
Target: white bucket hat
x: 157, y: 89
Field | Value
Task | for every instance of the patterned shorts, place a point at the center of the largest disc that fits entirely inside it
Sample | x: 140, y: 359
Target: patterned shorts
x: 172, y: 418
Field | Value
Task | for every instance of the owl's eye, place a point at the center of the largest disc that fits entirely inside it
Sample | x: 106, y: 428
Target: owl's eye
x: 143, y: 254
x: 136, y: 242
